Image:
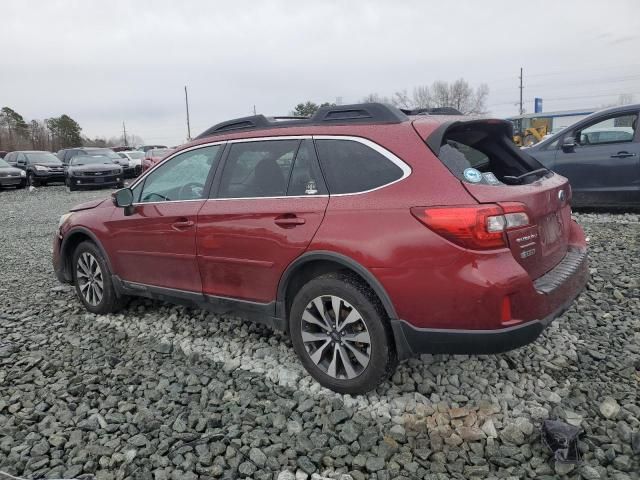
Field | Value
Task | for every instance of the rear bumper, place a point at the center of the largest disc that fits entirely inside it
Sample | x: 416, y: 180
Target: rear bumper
x: 412, y: 340
x: 556, y: 291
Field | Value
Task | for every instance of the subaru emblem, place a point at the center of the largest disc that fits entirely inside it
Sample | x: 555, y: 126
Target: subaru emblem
x: 561, y: 196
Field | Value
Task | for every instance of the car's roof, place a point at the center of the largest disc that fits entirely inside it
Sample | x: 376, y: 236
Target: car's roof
x: 32, y: 151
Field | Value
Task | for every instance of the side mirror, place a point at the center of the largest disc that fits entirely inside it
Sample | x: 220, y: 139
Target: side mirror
x: 568, y: 144
x: 123, y: 198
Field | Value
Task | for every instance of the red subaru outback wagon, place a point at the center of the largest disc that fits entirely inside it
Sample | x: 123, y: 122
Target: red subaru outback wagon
x: 367, y: 234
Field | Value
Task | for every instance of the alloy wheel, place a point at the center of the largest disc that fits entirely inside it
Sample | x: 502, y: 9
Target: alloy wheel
x: 336, y: 337
x: 90, y: 279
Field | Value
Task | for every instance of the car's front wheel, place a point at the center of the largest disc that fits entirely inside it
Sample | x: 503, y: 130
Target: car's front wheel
x: 339, y: 331
x: 70, y: 185
x: 92, y: 279
x: 31, y: 179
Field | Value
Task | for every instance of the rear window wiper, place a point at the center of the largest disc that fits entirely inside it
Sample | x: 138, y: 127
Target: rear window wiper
x: 511, y: 180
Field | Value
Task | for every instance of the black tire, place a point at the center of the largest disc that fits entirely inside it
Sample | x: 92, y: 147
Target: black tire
x: 31, y: 180
x: 120, y: 185
x: 21, y: 185
x: 70, y: 185
x: 382, y: 359
x: 109, y: 301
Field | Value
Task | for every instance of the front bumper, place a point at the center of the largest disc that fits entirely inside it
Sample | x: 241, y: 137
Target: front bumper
x: 559, y: 287
x: 48, y: 176
x: 12, y: 181
x: 96, y: 181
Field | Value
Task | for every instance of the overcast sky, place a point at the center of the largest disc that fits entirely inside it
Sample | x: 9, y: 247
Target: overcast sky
x: 102, y: 62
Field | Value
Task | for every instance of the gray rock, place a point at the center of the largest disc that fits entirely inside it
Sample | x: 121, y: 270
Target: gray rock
x: 247, y: 468
x: 609, y: 408
x: 589, y: 473
x: 306, y: 464
x: 258, y: 457
x: 374, y: 464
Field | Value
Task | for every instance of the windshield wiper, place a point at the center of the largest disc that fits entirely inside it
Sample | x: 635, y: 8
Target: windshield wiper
x: 511, y: 180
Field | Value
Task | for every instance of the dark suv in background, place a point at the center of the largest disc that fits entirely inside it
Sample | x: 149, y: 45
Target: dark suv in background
x: 366, y: 234
x: 41, y: 167
x: 600, y: 155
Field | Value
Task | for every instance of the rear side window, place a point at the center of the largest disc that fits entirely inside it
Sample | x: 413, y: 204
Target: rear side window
x: 350, y: 166
x: 258, y: 169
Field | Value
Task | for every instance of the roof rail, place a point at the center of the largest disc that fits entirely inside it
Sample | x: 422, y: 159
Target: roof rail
x: 433, y: 111
x: 328, y: 115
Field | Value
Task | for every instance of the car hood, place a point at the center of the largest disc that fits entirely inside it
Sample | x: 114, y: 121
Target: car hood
x: 88, y: 205
x: 10, y: 170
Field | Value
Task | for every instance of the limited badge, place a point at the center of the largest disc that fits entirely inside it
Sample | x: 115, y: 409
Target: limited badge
x: 311, y: 188
x: 472, y: 175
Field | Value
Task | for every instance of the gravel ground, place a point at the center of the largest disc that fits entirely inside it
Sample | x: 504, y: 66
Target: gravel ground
x: 165, y: 392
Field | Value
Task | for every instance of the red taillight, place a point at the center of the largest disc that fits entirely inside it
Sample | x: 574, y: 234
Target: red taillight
x: 478, y: 227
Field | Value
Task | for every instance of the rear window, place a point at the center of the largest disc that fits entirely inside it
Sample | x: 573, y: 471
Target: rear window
x: 483, y: 153
x: 350, y: 166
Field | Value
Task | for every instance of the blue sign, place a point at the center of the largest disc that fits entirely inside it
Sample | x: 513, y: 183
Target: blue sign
x: 537, y: 104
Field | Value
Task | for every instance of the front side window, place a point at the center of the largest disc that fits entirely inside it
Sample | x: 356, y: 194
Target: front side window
x: 618, y: 129
x: 181, y: 178
x: 350, y: 166
x: 258, y: 169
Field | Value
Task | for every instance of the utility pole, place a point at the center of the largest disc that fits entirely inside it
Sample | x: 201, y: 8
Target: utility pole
x: 124, y: 134
x: 186, y: 101
x: 254, y: 109
x: 521, y: 87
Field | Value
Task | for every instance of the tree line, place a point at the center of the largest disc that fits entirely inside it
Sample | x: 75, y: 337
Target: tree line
x: 459, y: 95
x: 50, y: 134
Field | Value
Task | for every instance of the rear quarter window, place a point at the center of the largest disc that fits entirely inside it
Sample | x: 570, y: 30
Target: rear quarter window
x: 350, y: 166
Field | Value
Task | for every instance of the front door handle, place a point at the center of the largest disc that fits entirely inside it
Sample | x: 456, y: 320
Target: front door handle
x: 289, y: 221
x: 182, y: 224
x: 623, y: 155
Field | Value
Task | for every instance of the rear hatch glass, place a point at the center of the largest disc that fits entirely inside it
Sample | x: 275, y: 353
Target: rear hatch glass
x: 482, y: 155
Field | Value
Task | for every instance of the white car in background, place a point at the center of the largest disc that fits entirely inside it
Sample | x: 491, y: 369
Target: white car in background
x: 135, y: 159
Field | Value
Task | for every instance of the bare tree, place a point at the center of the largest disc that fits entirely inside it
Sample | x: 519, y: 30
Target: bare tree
x: 459, y: 95
x: 401, y: 99
x: 375, y: 97
x: 421, y: 97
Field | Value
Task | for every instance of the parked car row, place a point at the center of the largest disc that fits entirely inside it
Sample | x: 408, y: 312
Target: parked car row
x: 75, y: 167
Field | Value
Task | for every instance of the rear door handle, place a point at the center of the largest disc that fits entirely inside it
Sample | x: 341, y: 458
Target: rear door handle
x: 623, y: 155
x: 182, y: 224
x: 289, y: 221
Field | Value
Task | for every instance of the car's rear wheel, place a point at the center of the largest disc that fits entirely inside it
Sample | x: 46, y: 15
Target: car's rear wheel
x: 340, y: 333
x: 92, y: 278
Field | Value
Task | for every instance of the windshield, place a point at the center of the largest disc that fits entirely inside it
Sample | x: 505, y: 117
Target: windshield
x: 107, y: 152
x: 43, y: 158
x: 158, y: 152
x: 90, y: 159
x: 4, y: 164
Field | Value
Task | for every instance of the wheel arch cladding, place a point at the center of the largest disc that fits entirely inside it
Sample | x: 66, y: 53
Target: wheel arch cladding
x: 313, y: 264
x: 72, y: 239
